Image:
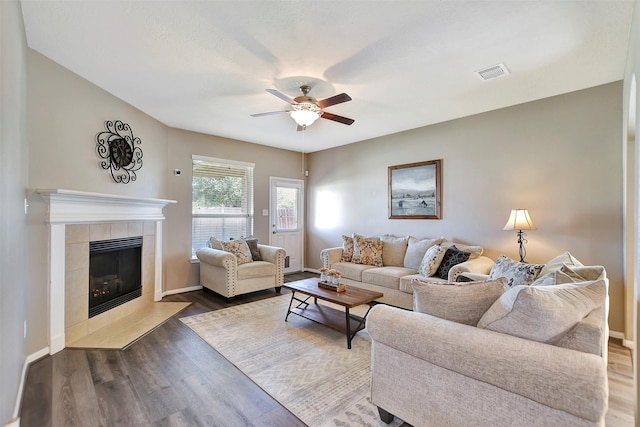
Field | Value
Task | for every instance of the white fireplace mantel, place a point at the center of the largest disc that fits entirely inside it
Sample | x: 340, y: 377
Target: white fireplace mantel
x: 78, y: 207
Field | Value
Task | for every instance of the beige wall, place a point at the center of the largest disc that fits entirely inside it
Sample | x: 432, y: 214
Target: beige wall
x: 180, y: 272
x: 560, y: 157
x: 13, y: 182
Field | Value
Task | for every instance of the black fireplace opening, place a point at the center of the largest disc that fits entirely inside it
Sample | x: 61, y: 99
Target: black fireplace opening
x: 115, y: 273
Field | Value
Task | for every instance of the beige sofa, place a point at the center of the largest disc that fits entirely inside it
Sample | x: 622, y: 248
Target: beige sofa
x: 537, y: 357
x: 221, y: 273
x: 401, y: 257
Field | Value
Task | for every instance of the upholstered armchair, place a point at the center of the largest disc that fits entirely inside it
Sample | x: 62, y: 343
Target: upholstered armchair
x: 221, y: 271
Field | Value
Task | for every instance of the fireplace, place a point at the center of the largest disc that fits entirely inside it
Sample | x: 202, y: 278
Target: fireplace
x: 115, y: 273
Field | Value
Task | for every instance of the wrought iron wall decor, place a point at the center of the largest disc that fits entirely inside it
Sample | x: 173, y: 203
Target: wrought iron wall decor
x: 119, y: 150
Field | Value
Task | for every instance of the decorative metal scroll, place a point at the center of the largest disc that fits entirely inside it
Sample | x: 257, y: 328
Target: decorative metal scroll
x: 106, y: 143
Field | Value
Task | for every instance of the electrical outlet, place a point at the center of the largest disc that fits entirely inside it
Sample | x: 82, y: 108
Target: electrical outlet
x: 26, y: 205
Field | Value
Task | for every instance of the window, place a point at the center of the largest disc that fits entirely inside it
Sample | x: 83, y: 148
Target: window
x: 222, y: 200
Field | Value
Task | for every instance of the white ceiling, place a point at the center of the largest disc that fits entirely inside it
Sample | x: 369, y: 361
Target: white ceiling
x: 204, y: 65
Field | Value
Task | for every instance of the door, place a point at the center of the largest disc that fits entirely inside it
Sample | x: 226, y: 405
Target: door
x: 287, y: 219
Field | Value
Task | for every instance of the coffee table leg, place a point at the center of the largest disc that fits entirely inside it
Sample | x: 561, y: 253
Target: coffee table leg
x: 293, y: 296
x: 348, y: 317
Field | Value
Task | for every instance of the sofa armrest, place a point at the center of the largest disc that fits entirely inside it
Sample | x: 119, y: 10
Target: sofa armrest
x: 276, y: 256
x: 560, y: 378
x: 217, y: 258
x: 480, y: 265
x: 330, y: 256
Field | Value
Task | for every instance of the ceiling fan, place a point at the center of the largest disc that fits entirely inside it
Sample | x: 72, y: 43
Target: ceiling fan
x: 306, y: 109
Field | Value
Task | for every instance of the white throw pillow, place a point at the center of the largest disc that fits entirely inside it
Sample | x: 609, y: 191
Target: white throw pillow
x: 474, y: 251
x: 214, y: 243
x: 416, y: 249
x: 431, y: 261
x: 556, y: 263
x: 543, y: 313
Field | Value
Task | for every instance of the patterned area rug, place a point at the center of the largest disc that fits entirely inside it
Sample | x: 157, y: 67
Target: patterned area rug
x: 303, y: 365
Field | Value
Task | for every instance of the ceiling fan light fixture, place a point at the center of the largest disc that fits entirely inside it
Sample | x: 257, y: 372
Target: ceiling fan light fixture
x: 305, y: 113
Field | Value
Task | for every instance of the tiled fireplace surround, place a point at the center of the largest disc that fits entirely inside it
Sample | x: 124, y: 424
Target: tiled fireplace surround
x: 76, y: 218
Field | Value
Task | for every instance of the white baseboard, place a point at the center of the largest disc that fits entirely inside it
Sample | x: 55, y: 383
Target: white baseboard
x: 629, y: 344
x: 15, y: 421
x: 182, y: 290
x: 311, y: 270
x: 616, y: 334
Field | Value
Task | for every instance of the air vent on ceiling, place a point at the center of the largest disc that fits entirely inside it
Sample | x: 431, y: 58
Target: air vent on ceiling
x: 493, y: 72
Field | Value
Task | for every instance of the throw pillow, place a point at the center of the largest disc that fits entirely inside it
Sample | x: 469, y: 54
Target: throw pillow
x: 431, y: 261
x: 556, y: 263
x: 367, y: 250
x: 543, y: 313
x: 214, y: 243
x: 518, y: 273
x: 393, y: 250
x: 347, y: 248
x: 567, y: 274
x: 461, y: 303
x: 474, y: 251
x: 416, y: 248
x: 253, y: 248
x: 452, y: 257
x: 240, y: 249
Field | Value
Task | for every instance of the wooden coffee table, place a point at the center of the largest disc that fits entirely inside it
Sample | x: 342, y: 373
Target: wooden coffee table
x: 338, y: 320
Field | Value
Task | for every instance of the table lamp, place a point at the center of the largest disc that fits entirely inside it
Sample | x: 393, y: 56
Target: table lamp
x: 520, y: 220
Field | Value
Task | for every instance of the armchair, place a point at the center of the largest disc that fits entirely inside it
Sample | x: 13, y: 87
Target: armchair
x: 220, y: 272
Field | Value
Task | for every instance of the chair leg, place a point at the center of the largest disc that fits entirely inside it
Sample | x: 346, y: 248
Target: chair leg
x: 278, y: 288
x: 385, y: 416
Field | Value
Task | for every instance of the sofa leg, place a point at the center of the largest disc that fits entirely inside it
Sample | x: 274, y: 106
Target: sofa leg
x: 385, y: 416
x: 278, y: 288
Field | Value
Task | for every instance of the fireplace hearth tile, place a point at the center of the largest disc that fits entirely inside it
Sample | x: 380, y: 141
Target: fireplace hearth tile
x: 125, y: 331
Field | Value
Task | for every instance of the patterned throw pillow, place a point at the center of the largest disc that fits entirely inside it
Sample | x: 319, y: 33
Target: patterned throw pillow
x: 518, y: 273
x: 240, y: 249
x: 431, y: 261
x: 452, y: 257
x: 367, y: 251
x: 347, y: 249
x: 253, y: 248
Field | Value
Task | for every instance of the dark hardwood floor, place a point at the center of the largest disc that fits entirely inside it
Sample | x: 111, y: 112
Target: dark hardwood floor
x: 171, y: 377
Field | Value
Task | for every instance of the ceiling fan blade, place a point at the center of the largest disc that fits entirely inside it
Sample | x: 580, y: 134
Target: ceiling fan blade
x: 270, y: 113
x: 333, y: 100
x: 336, y: 118
x: 281, y: 95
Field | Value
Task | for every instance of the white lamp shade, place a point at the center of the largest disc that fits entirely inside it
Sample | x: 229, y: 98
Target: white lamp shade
x: 519, y: 220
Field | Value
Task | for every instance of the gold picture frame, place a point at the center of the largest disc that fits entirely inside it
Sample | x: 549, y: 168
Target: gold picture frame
x: 415, y: 190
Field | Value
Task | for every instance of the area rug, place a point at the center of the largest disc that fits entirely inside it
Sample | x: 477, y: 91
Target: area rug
x: 303, y: 365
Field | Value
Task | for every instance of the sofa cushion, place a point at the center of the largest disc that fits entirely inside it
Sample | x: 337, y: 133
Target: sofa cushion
x: 452, y: 257
x: 556, y: 263
x: 474, y: 251
x: 240, y: 249
x: 567, y: 274
x: 543, y: 313
x: 388, y: 277
x: 347, y: 248
x: 253, y: 248
x: 458, y: 302
x: 367, y: 250
x: 254, y: 269
x: 416, y: 248
x: 393, y: 250
x: 431, y: 261
x: 406, y: 284
x: 518, y: 273
x: 214, y: 243
x: 352, y: 271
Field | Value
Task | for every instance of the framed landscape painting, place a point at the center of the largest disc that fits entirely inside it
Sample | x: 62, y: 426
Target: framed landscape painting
x: 415, y: 191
